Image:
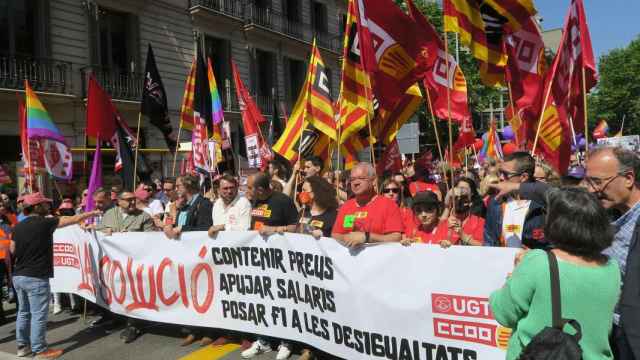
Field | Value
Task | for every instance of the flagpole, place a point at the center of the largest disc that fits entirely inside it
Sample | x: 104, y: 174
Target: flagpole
x: 541, y: 118
x: 622, y: 126
x: 135, y: 161
x: 175, y: 154
x: 514, y: 113
x: 586, y: 117
x: 446, y: 52
x: 434, y: 123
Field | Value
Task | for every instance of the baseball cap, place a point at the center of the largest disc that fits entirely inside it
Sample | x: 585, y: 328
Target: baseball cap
x: 35, y: 199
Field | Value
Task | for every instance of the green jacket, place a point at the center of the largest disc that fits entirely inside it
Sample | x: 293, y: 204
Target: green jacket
x: 117, y: 221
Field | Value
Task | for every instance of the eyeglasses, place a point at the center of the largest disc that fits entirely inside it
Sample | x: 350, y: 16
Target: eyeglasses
x: 508, y: 175
x: 391, y: 190
x: 600, y: 184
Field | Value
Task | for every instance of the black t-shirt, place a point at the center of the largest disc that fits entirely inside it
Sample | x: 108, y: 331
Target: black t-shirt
x: 34, y: 246
x: 322, y: 222
x: 277, y: 210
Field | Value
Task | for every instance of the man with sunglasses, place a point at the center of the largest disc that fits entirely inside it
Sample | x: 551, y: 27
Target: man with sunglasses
x: 126, y: 217
x: 512, y: 221
x: 368, y: 217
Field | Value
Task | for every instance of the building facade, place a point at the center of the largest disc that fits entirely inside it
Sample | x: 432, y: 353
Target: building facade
x: 56, y: 44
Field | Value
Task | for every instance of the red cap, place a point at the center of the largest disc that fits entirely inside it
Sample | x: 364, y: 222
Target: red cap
x: 35, y: 199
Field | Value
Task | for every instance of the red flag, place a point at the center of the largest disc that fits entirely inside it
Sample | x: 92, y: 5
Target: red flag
x: 437, y: 76
x: 564, y: 78
x: 258, y: 152
x: 391, y: 159
x: 466, y: 136
x: 574, y: 56
x: 398, y: 55
x: 100, y: 115
x: 525, y: 71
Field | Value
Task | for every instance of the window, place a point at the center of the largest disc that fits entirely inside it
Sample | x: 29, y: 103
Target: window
x: 319, y: 17
x: 115, y: 44
x: 265, y: 65
x: 22, y: 28
x: 291, y: 11
x: 296, y: 72
x: 218, y: 51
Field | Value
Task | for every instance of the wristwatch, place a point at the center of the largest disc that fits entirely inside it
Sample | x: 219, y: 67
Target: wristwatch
x: 366, y: 237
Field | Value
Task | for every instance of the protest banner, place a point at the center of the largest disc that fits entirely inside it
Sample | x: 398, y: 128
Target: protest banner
x: 629, y: 142
x: 380, y: 301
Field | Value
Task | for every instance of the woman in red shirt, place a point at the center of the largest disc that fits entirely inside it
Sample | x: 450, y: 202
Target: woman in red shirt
x: 424, y: 227
x: 461, y: 227
x: 393, y: 190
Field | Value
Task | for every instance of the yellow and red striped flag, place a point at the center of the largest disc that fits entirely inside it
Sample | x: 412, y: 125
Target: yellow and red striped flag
x: 385, y: 127
x: 355, y: 103
x: 312, y: 116
x: 481, y: 28
x: 186, y: 110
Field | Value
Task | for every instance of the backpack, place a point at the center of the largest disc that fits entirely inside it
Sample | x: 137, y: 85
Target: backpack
x: 552, y: 342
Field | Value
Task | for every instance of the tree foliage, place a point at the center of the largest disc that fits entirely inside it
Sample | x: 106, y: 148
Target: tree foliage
x: 618, y: 91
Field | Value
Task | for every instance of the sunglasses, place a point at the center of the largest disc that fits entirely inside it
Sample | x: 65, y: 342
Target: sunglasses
x: 508, y: 175
x: 391, y: 190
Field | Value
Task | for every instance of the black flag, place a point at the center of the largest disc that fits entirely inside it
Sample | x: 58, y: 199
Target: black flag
x: 123, y: 141
x: 154, y: 100
x: 202, y: 110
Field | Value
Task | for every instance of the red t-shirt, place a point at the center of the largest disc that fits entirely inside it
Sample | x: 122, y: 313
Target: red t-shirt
x: 380, y: 216
x: 474, y: 226
x: 420, y: 186
x: 407, y: 217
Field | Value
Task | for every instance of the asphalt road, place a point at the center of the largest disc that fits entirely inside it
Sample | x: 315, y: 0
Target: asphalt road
x: 71, y: 333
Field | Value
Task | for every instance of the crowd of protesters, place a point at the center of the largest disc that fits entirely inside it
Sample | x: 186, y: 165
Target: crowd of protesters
x: 587, y: 219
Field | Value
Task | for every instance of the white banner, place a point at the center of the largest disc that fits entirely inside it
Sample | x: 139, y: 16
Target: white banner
x: 376, y: 302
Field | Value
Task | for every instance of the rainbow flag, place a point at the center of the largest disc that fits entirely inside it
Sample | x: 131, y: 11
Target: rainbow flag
x: 216, y: 104
x: 39, y: 123
x: 491, y: 147
x: 602, y: 130
x: 217, y: 114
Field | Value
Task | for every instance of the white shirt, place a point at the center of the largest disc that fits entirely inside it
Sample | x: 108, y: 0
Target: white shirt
x: 235, y: 217
x: 155, y: 208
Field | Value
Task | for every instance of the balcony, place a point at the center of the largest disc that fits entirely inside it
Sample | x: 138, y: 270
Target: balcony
x: 328, y: 41
x: 46, y: 75
x: 231, y: 8
x: 119, y: 84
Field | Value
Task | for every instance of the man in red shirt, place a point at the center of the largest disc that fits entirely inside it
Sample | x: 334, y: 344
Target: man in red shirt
x: 368, y: 217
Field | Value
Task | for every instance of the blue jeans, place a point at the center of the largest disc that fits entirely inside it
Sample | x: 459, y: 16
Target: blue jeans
x: 33, y: 310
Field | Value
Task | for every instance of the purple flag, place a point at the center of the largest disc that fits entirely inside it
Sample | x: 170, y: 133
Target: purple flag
x: 95, y: 181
